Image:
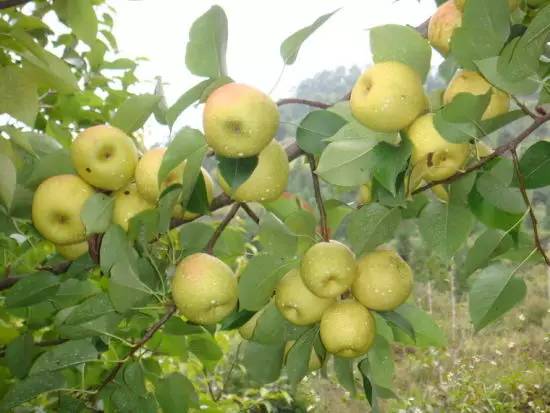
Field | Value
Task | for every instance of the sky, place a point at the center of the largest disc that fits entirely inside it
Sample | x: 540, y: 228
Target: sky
x: 158, y: 30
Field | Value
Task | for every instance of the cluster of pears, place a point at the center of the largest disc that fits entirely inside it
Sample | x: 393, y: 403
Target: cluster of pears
x: 239, y: 122
x: 389, y: 97
x: 316, y: 292
x: 105, y: 159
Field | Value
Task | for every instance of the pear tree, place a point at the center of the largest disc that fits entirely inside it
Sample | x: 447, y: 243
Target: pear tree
x: 135, y: 268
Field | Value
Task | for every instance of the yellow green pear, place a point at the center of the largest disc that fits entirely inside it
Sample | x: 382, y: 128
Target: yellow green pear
x: 388, y: 97
x: 267, y: 182
x: 298, y: 304
x: 204, y: 289
x: 328, y: 269
x: 56, y: 208
x: 364, y: 194
x: 127, y: 203
x: 239, y: 120
x: 72, y: 251
x: 440, y: 192
x: 105, y: 157
x: 384, y: 282
x: 512, y: 4
x: 466, y: 81
x: 314, y: 360
x: 442, y: 26
x: 247, y: 329
x: 347, y: 329
x: 434, y: 156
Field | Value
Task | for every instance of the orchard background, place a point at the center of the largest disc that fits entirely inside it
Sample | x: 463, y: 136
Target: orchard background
x: 101, y: 333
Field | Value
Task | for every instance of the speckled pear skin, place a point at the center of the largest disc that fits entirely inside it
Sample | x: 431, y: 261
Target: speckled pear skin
x: 388, y: 97
x: 128, y: 203
x: 267, y: 182
x: 442, y: 25
x: 466, y: 81
x: 56, y: 208
x: 441, y: 158
x: 72, y: 251
x: 239, y: 121
x: 347, y: 329
x: 328, y: 269
x: 385, y: 281
x: 298, y: 304
x: 105, y: 157
x: 204, y: 289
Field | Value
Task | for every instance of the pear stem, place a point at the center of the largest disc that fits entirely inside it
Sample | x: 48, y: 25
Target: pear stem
x: 534, y: 222
x: 319, y: 198
x: 209, y: 249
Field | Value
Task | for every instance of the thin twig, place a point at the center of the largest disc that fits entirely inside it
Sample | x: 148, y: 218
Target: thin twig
x: 307, y: 102
x: 146, y: 337
x: 497, y: 152
x: 524, y: 108
x: 250, y: 213
x: 318, y: 198
x: 209, y: 385
x: 7, y: 282
x: 228, y: 376
x: 522, y: 188
x: 5, y: 4
x: 209, y: 249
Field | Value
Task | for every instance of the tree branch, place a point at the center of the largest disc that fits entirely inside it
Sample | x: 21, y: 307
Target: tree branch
x: 513, y: 144
x: 318, y: 198
x: 524, y: 108
x: 212, y: 242
x: 312, y: 103
x: 250, y: 213
x: 146, y: 337
x: 523, y: 190
x: 5, y: 4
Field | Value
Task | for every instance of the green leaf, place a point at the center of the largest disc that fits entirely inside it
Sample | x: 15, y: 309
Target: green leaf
x: 8, y: 181
x: 389, y: 161
x: 31, y: 387
x: 64, y: 355
x: 381, y: 363
x: 315, y: 127
x: 445, y: 227
x: 494, y: 292
x: 167, y: 202
x: 93, y: 307
x: 403, y: 44
x: 488, y: 20
x: 458, y: 122
x: 343, y: 368
x: 96, y: 213
x: 73, y: 291
x: 347, y: 162
x: 397, y: 320
x: 162, y: 107
x: 496, y: 191
x: 187, y: 99
x: 297, y: 359
x: 484, y: 248
x: 207, y: 45
x: 18, y: 95
x: 291, y: 45
x: 382, y: 327
x: 535, y: 165
x: 490, y: 215
x: 521, y: 87
x: 426, y: 332
x: 276, y: 238
x: 81, y: 18
x: 19, y: 355
x: 126, y: 289
x: 134, y: 112
x: 206, y: 348
x: 259, y: 278
x: 43, y: 67
x: 188, y: 145
x: 520, y: 57
x: 236, y: 320
x: 32, y: 289
x: 263, y: 362
x: 371, y: 226
x: 176, y: 384
x: 236, y: 171
x: 55, y: 163
x: 114, y: 245
x: 271, y: 326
